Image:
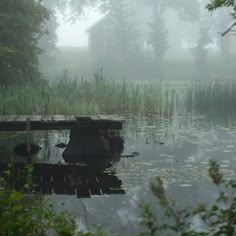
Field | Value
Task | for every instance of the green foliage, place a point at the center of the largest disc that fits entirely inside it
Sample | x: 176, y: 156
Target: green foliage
x: 21, y: 26
x: 217, y: 219
x: 29, y: 214
x: 26, y: 213
x: 214, y: 4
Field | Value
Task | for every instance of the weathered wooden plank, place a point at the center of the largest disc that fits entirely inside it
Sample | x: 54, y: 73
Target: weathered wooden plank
x: 46, y: 118
x: 95, y: 118
x: 11, y: 118
x: 35, y: 118
x: 57, y: 122
x: 83, y: 118
x: 115, y: 118
x: 22, y: 118
x: 2, y: 118
x: 104, y: 117
x: 70, y: 118
x: 58, y: 118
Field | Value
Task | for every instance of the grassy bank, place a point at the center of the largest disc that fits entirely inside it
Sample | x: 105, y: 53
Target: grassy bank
x: 100, y: 95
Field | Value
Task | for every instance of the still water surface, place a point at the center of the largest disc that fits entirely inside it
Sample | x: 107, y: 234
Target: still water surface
x: 175, y: 148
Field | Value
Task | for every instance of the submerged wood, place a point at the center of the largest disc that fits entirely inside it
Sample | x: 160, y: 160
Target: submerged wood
x: 93, y: 143
x: 81, y: 181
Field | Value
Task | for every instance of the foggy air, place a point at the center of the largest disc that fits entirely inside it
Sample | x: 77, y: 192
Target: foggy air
x: 117, y: 117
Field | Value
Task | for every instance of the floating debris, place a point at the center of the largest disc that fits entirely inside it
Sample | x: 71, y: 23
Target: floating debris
x: 21, y: 149
x: 135, y: 154
x: 60, y: 145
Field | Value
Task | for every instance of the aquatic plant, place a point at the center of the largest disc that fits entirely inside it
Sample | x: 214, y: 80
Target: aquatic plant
x: 67, y: 95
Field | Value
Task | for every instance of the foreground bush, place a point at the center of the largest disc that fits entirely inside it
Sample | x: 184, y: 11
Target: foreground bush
x: 23, y: 214
x: 218, y: 219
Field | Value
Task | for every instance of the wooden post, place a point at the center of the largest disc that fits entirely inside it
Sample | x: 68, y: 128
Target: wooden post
x: 28, y: 145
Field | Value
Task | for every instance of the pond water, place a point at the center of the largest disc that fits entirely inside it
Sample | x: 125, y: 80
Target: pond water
x: 176, y: 148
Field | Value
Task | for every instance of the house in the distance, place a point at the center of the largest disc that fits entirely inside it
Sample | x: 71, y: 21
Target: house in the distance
x: 111, y: 36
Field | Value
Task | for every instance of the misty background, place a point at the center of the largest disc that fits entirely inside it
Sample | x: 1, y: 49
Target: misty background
x: 134, y: 40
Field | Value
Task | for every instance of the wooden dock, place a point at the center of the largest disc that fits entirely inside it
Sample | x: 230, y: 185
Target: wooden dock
x: 81, y: 181
x: 58, y: 122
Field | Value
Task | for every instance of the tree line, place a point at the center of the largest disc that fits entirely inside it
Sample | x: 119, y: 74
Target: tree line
x: 27, y: 26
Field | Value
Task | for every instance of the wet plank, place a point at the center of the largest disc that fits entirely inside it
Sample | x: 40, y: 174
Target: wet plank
x: 46, y: 118
x: 58, y: 118
x: 2, y: 118
x: 36, y: 118
x: 57, y: 122
x: 116, y: 118
x: 95, y: 118
x: 70, y: 118
x: 22, y: 118
x: 104, y: 117
x: 83, y: 118
x: 11, y: 118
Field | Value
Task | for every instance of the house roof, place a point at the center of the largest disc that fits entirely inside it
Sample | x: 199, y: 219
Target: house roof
x: 105, y: 18
x: 99, y: 22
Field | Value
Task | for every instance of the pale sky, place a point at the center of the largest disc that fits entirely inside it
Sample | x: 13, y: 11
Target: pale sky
x: 73, y: 34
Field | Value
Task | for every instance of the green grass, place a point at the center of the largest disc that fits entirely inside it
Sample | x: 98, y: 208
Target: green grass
x: 99, y: 95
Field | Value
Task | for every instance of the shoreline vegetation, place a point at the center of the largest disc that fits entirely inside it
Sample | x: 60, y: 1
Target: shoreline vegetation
x: 26, y: 213
x: 96, y: 95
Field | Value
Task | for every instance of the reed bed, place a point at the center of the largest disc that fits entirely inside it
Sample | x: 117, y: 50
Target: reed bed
x: 99, y: 95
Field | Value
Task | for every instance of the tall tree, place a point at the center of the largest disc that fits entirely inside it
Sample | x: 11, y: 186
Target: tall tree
x: 48, y: 41
x: 21, y: 26
x: 186, y: 10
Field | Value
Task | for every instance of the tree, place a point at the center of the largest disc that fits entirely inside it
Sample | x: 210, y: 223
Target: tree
x: 48, y: 41
x: 187, y: 10
x: 215, y: 4
x: 123, y: 32
x: 21, y: 26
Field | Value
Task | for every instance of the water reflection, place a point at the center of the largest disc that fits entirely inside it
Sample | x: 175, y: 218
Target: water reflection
x: 189, y: 141
x: 77, y: 179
